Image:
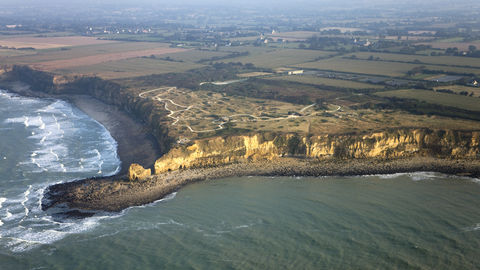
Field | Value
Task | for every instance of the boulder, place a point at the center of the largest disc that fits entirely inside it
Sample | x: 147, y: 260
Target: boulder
x: 137, y: 172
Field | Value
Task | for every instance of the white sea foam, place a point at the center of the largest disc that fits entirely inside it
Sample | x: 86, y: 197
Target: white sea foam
x: 25, y: 196
x: 42, y: 124
x: 2, y: 200
x: 36, y: 228
x: 54, y: 154
x: 415, y: 176
x: 55, y: 129
x: 475, y: 227
x: 167, y: 198
x: 388, y: 176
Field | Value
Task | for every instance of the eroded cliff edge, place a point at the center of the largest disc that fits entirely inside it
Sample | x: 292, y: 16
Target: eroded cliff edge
x: 395, y: 151
x: 389, y: 151
x: 397, y: 143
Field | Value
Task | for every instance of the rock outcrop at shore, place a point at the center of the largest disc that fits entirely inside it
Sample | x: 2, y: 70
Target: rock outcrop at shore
x: 397, y: 143
x: 113, y: 194
x: 137, y: 172
x: 273, y: 154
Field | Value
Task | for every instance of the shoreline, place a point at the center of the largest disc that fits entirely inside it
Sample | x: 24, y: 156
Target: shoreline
x: 110, y: 194
x: 134, y: 143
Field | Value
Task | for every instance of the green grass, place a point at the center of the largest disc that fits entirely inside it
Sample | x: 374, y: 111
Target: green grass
x: 454, y: 39
x: 451, y: 100
x: 195, y: 55
x: 277, y: 57
x: 461, y: 88
x: 390, y: 69
x: 360, y: 66
x: 434, y: 60
x: 10, y: 53
x: 315, y: 80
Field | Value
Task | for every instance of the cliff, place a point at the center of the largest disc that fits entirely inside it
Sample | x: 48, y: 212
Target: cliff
x: 398, y: 143
x: 217, y: 151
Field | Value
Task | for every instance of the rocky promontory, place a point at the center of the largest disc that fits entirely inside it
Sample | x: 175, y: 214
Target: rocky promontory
x: 253, y: 153
x: 114, y: 194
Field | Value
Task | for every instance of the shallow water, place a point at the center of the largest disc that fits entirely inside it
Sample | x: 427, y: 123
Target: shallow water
x: 401, y: 221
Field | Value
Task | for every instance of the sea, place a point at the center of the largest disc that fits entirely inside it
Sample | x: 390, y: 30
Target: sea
x: 418, y: 220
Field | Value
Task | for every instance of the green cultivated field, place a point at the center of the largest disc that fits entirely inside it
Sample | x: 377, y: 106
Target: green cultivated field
x: 460, y: 88
x: 132, y: 68
x: 451, y: 100
x: 315, y: 80
x: 390, y: 69
x: 274, y: 58
x: 10, y: 53
x: 360, y: 66
x: 434, y: 60
x: 195, y: 55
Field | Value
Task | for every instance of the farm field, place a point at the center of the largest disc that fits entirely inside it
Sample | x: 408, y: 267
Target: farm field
x: 101, y: 58
x: 10, y: 52
x: 195, y: 55
x: 444, y: 99
x: 274, y: 102
x: 460, y: 88
x: 82, y: 51
x: 463, y: 46
x: 274, y: 58
x: 129, y: 68
x: 434, y: 60
x: 360, y: 66
x: 389, y: 69
x: 315, y: 80
x: 49, y: 42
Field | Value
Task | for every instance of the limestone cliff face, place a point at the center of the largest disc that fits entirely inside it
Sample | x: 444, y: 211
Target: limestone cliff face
x: 388, y: 144
x: 137, y: 172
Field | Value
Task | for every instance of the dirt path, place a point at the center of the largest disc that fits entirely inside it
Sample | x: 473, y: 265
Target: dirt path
x: 174, y: 114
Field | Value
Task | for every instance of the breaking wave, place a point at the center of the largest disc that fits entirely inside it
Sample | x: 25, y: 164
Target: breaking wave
x: 59, y: 143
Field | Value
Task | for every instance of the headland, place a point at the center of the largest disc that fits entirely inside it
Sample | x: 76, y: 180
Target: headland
x: 144, y: 136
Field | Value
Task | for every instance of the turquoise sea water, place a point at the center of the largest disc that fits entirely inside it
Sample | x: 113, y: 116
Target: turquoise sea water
x: 404, y: 221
